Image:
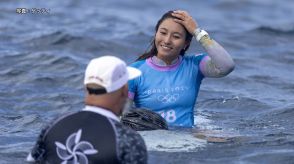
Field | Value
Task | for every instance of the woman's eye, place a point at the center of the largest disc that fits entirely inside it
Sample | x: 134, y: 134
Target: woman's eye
x: 177, y: 37
x: 163, y: 33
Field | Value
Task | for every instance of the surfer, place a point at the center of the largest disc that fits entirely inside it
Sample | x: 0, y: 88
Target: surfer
x: 170, y: 79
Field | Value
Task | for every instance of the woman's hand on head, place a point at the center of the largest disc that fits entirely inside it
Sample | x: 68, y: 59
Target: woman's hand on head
x: 186, y: 20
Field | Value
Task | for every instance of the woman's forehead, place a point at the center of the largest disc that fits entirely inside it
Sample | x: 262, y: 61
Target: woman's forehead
x: 172, y: 26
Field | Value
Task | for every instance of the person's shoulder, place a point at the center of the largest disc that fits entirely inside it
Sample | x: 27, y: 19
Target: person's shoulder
x: 61, y: 117
x: 194, y: 56
x: 126, y: 130
x: 138, y: 63
x: 129, y: 135
x: 129, y: 141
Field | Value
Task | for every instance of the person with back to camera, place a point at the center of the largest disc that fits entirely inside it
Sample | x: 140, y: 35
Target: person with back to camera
x: 94, y: 135
x: 171, y: 79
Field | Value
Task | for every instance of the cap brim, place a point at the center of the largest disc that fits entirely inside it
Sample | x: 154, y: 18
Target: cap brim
x: 133, y: 72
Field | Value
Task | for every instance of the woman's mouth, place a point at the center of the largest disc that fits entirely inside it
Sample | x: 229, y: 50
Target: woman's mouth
x: 166, y: 47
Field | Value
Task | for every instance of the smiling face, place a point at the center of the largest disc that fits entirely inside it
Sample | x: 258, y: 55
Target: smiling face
x: 170, y: 40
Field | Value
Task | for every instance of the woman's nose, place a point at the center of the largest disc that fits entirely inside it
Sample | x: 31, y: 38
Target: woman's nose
x: 167, y: 39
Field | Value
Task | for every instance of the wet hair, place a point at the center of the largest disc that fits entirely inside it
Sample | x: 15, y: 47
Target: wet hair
x: 152, y: 50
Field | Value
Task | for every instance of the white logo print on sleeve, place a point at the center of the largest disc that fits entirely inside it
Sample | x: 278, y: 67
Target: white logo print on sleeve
x: 75, y: 150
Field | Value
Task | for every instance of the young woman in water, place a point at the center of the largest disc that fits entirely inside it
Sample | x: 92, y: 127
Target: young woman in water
x: 171, y: 79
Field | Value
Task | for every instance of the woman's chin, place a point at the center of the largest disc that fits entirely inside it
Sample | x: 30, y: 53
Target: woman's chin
x: 167, y: 56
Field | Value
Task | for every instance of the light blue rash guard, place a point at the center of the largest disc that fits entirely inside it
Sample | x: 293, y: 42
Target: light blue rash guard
x: 170, y: 91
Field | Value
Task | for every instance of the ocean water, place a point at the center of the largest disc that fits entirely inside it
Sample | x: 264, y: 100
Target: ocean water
x: 43, y: 54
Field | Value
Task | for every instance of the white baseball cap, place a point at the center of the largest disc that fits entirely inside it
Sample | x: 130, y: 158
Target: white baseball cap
x: 109, y: 72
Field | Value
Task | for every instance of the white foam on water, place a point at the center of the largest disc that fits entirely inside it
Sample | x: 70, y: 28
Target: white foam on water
x: 185, y: 141
x: 171, y: 141
x: 202, y: 122
x: 180, y: 141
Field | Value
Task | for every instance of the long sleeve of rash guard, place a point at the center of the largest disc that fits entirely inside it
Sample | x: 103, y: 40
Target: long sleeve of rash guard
x: 218, y: 63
